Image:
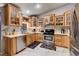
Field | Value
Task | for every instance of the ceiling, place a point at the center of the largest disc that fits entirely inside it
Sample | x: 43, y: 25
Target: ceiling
x: 33, y: 10
x: 44, y: 7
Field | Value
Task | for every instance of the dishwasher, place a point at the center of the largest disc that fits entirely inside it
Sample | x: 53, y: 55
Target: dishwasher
x: 20, y: 43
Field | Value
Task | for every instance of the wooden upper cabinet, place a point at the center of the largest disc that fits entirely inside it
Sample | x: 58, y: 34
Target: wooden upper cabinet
x: 12, y: 15
x: 59, y: 21
x: 46, y: 19
x: 33, y: 20
x: 68, y: 17
x: 52, y: 19
x: 41, y: 22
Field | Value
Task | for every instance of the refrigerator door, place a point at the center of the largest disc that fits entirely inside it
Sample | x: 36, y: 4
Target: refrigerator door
x: 0, y: 32
x: 75, y: 33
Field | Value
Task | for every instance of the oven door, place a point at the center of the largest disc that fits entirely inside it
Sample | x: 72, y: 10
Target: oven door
x: 48, y: 37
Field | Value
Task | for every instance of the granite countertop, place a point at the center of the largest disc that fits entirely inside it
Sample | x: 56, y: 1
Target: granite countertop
x: 14, y: 35
x: 17, y: 35
x: 61, y: 34
x: 28, y: 33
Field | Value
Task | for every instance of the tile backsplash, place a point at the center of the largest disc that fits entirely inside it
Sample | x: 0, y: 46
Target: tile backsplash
x: 38, y: 29
x: 9, y: 29
x: 58, y: 31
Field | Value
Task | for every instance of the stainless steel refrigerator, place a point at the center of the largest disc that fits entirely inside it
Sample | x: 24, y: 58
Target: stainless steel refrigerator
x: 0, y: 33
x: 74, y: 46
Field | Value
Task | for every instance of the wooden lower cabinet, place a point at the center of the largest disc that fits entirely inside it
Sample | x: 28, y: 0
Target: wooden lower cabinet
x: 62, y: 41
x: 30, y: 38
x: 33, y: 37
x: 39, y: 37
x: 10, y: 45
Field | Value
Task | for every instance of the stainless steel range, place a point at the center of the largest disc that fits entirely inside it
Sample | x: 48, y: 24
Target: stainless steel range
x: 49, y: 34
x: 49, y: 41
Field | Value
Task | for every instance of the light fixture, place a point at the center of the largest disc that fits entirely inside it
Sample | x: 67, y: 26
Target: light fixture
x: 27, y: 11
x: 38, y: 6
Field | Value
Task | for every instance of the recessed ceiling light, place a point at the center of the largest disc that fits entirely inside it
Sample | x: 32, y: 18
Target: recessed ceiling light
x: 27, y: 11
x: 38, y: 6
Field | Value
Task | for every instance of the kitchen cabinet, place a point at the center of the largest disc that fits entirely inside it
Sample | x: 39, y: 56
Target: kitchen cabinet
x: 62, y: 40
x: 33, y: 37
x: 58, y: 40
x: 12, y: 15
x: 25, y: 18
x: 29, y: 39
x: 41, y: 22
x: 52, y: 19
x: 10, y: 46
x: 33, y: 21
x: 68, y: 16
x: 46, y: 19
x: 39, y: 37
x: 59, y: 21
x: 65, y: 41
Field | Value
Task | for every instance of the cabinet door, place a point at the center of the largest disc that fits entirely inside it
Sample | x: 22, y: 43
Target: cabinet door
x: 6, y: 45
x: 7, y: 11
x: 65, y: 41
x: 33, y: 37
x: 67, y: 18
x: 29, y: 40
x: 10, y: 46
x: 10, y: 14
x: 37, y: 36
x: 59, y: 21
x: 52, y: 19
x: 40, y: 37
x: 58, y: 40
x: 13, y: 42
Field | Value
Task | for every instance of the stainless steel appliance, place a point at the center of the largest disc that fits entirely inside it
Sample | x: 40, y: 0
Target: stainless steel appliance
x: 48, y: 41
x: 20, y: 44
x: 74, y: 47
x: 49, y: 35
x: 0, y: 32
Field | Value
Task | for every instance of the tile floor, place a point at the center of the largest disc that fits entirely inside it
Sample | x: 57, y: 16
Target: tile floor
x: 38, y: 51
